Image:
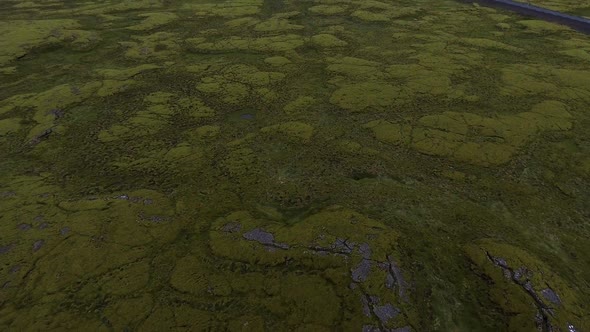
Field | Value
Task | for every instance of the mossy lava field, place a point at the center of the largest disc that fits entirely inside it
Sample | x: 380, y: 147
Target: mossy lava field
x: 293, y: 165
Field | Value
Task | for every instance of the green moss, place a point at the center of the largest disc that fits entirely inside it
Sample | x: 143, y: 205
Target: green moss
x: 10, y: 125
x: 336, y: 219
x: 521, y: 80
x: 426, y: 78
x: 276, y: 25
x: 474, y: 139
x: 80, y: 40
x: 293, y: 296
x: 368, y: 16
x: 8, y: 70
x: 206, y: 132
x: 105, y: 8
x: 503, y: 26
x: 182, y: 155
x: 454, y: 175
x: 189, y: 276
x: 78, y: 256
x: 166, y: 317
x: 491, y: 44
x: 159, y: 45
x: 209, y: 85
x: 234, y: 93
x: 328, y: 9
x: 300, y: 105
x: 247, y: 323
x: 128, y: 311
x: 270, y: 212
x: 159, y: 97
x: 577, y: 53
x: 312, y: 300
x: 239, y: 160
x: 59, y: 97
x: 123, y: 74
x: 365, y: 96
x: 277, y: 61
x: 280, y: 43
x: 242, y: 22
x: 195, y: 108
x: 44, y: 318
x: 234, y: 84
x: 111, y: 87
x: 327, y: 40
x: 538, y: 26
x: 153, y: 20
x: 129, y: 280
x: 460, y: 141
x: 294, y: 131
x: 266, y: 95
x: 355, y: 68
x: 87, y: 204
x: 19, y: 37
x: 390, y: 133
x: 227, y: 9
x: 513, y: 298
x: 558, y: 83
x: 576, y: 79
x: 113, y: 133
x: 499, y: 17
x: 349, y: 146
x: 199, y: 68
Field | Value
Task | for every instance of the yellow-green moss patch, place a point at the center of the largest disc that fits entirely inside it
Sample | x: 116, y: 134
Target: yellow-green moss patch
x: 327, y: 40
x: 9, y: 125
x: 472, y: 138
x: 153, y: 20
x: 364, y: 96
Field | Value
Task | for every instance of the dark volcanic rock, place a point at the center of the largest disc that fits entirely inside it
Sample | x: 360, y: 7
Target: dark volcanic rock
x: 57, y: 113
x: 366, y: 308
x: 571, y: 328
x: 385, y: 312
x: 38, y: 245
x: 395, y: 277
x: 232, y: 227
x: 365, y: 250
x: 7, y: 194
x: 551, y: 296
x: 260, y: 236
x: 403, y: 329
x: 24, y: 227
x: 343, y: 246
x: 5, y: 249
x: 263, y: 237
x: 389, y: 281
x: 371, y: 328
x: 361, y: 272
x: 65, y: 231
x: 15, y: 269
x: 156, y: 219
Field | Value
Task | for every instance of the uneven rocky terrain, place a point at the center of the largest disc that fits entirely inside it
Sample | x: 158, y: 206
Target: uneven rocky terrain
x: 284, y: 165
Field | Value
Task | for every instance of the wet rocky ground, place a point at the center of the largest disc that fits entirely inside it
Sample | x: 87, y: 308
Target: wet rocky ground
x: 292, y: 166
